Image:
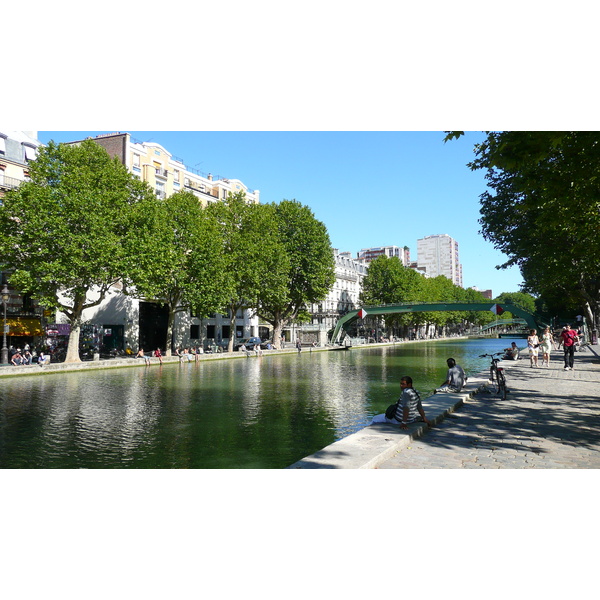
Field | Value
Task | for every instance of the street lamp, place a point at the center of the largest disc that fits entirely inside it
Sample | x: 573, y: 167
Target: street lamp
x: 5, y: 297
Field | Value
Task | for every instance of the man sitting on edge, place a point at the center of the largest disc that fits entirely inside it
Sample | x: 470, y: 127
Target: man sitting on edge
x: 455, y: 378
x: 512, y: 353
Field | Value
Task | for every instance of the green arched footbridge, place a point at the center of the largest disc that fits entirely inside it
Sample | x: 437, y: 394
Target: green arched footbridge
x: 532, y: 321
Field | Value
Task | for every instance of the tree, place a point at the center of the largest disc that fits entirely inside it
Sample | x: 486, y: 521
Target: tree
x: 256, y: 264
x: 388, y: 281
x: 309, y: 271
x: 187, y: 269
x: 522, y: 299
x: 67, y: 232
x: 543, y: 210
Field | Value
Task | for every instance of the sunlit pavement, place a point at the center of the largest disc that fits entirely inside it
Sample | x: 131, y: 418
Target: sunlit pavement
x: 550, y: 420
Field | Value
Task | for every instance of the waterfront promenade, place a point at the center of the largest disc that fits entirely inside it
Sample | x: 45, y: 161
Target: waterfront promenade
x: 550, y: 420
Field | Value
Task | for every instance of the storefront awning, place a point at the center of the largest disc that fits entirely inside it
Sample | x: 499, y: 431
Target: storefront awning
x: 24, y: 326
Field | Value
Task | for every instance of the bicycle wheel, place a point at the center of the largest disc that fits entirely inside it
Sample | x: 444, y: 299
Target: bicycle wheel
x: 501, y: 385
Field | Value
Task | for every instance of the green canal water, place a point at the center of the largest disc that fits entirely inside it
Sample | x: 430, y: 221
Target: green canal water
x: 260, y: 412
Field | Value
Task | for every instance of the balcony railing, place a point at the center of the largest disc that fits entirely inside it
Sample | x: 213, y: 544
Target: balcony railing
x: 9, y: 182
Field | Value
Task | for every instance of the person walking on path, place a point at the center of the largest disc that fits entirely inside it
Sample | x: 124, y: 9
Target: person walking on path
x: 533, y: 344
x: 568, y: 338
x: 455, y: 378
x: 408, y: 407
x: 546, y: 347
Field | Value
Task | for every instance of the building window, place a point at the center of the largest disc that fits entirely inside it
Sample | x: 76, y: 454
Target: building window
x: 2, y: 144
x: 194, y: 332
x: 30, y: 152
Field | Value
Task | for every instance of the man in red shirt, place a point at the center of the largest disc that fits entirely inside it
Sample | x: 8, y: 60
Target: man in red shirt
x: 569, y: 337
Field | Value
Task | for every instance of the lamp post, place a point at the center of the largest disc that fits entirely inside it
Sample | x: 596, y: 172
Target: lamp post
x: 5, y: 297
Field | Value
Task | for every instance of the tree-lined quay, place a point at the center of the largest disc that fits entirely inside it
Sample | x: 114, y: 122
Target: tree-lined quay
x: 83, y: 227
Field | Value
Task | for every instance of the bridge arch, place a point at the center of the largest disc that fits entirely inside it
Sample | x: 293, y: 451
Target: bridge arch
x: 532, y: 321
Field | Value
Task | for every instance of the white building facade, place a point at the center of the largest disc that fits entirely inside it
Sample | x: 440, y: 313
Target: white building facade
x: 367, y: 255
x: 438, y: 255
x: 342, y: 298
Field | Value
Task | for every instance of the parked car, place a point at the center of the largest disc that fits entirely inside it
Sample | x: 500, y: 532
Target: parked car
x: 248, y: 342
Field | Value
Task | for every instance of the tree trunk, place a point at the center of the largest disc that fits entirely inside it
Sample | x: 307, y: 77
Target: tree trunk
x: 169, y: 338
x: 73, y: 346
x: 277, y: 333
x: 232, y: 331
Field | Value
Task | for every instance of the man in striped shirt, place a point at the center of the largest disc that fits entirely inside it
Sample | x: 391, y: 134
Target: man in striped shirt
x: 408, y: 409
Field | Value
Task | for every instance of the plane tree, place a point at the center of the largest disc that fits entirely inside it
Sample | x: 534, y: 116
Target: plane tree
x: 388, y: 281
x: 309, y: 271
x: 255, y: 263
x: 186, y: 270
x: 68, y: 231
x: 542, y: 210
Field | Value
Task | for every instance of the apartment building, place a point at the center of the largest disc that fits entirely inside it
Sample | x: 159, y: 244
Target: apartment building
x: 342, y: 298
x: 139, y: 323
x: 17, y: 149
x: 438, y: 255
x: 366, y: 255
x: 485, y: 293
x: 167, y: 174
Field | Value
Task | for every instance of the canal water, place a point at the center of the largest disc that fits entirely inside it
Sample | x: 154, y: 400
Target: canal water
x: 260, y: 412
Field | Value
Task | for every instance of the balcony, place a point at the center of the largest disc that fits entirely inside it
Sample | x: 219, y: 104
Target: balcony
x: 9, y: 182
x: 194, y: 188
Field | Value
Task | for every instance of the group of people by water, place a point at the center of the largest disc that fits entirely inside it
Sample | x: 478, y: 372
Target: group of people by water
x: 568, y: 338
x: 27, y: 356
x: 408, y: 409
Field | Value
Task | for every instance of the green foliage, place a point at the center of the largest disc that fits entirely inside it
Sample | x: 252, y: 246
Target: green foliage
x: 388, y: 281
x: 255, y: 261
x: 310, y: 266
x: 522, y: 299
x: 63, y: 230
x: 184, y: 266
x: 542, y: 209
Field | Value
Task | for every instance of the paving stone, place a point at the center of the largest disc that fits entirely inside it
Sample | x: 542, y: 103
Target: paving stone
x: 549, y: 421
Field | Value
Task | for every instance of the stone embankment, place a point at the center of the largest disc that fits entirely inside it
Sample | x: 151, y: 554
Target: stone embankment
x: 130, y: 361
x: 549, y: 420
x: 10, y: 370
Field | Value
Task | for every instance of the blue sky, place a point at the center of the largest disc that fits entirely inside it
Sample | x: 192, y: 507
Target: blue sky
x: 369, y: 188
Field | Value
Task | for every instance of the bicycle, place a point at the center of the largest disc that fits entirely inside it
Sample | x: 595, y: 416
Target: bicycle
x: 497, y: 375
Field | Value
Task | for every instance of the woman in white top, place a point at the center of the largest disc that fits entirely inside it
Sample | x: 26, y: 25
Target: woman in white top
x: 546, y: 347
x: 533, y: 344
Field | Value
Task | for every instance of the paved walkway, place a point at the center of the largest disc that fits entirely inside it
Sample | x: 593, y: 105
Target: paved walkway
x: 550, y: 420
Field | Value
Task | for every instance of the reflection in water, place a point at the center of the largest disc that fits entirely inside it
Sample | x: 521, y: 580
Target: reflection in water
x: 255, y: 412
